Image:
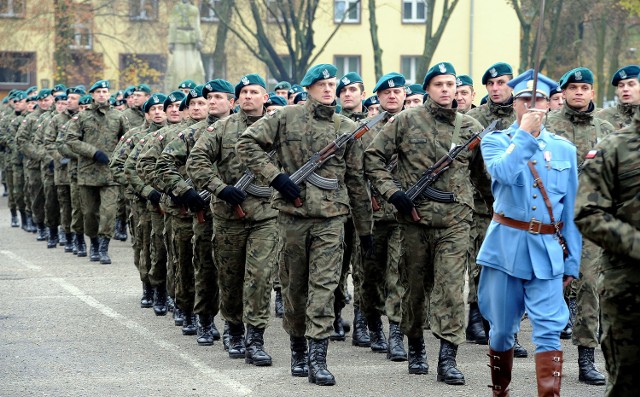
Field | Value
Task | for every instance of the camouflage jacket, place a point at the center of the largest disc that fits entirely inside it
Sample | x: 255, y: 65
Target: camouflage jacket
x: 133, y: 117
x: 355, y: 116
x: 65, y: 150
x: 620, y: 115
x: 607, y: 207
x: 45, y: 157
x: 420, y: 137
x: 581, y: 128
x: 213, y: 165
x: 26, y: 139
x: 120, y: 154
x: 51, y: 132
x: 296, y: 133
x: 97, y: 128
x: 134, y: 181
x: 8, y: 136
x: 490, y: 111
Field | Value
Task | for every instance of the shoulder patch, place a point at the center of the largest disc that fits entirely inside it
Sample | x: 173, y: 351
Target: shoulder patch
x: 122, y: 138
x: 271, y: 112
x: 128, y: 140
x: 24, y: 121
x: 210, y: 128
x: 160, y: 137
x: 74, y: 118
x: 180, y: 135
x: 142, y: 140
x: 391, y: 119
x: 591, y: 154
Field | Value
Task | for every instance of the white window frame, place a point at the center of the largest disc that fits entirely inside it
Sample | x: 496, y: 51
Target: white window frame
x: 142, y: 15
x: 345, y: 5
x: 11, y: 6
x: 410, y: 77
x: 343, y: 63
x: 207, y: 13
x: 80, y: 30
x: 413, y: 18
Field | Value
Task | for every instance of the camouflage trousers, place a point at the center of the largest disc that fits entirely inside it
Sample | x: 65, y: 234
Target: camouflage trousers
x: 51, y: 204
x: 141, y: 239
x: 99, y: 209
x: 122, y: 211
x: 479, y: 226
x: 435, y: 268
x: 351, y: 249
x: 382, y: 292
x: 181, y: 238
x: 36, y: 194
x: 207, y: 295
x: 310, y: 266
x: 171, y: 257
x: 7, y: 174
x: 245, y: 255
x: 585, y: 324
x: 618, y: 286
x: 158, y: 249
x: 133, y: 224
x: 77, y: 218
x: 64, y: 199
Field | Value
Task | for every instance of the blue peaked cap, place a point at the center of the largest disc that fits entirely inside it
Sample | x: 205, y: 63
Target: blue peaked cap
x: 523, y: 85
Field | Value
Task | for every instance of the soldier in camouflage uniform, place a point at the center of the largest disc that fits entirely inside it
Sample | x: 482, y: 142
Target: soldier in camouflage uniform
x: 465, y: 94
x: 608, y: 214
x: 420, y: 137
x: 628, y: 92
x: 313, y: 233
x: 576, y: 122
x: 93, y: 135
x: 17, y: 107
x: 245, y: 248
x: 414, y: 96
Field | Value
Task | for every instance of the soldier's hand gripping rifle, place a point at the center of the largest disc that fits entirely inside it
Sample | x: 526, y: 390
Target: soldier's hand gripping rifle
x: 307, y: 171
x: 245, y: 185
x: 206, y: 196
x: 431, y: 175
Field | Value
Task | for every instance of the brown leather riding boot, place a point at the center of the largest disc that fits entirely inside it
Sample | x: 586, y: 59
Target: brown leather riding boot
x: 549, y: 373
x: 500, y: 364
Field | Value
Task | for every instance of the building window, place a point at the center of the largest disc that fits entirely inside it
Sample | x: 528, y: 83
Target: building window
x: 143, y: 10
x: 17, y: 70
x: 409, y: 66
x: 207, y: 10
x: 209, y: 71
x: 346, y: 64
x: 82, y: 37
x: 346, y: 11
x: 276, y: 11
x: 12, y: 8
x: 142, y: 69
x: 414, y: 11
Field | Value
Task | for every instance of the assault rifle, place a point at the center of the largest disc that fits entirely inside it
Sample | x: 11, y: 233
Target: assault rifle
x: 206, y: 196
x: 245, y: 184
x: 431, y: 175
x: 307, y: 171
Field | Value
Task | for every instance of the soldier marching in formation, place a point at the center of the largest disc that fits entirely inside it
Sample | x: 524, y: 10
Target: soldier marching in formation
x: 225, y: 205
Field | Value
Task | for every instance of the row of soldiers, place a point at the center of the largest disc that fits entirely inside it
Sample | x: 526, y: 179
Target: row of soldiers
x: 201, y: 238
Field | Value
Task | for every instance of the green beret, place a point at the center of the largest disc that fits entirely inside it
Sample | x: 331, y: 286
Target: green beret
x: 183, y: 104
x: 31, y: 90
x: 275, y: 100
x: 155, y: 99
x: 19, y: 95
x: 5, y: 100
x: 76, y: 90
x: 577, y: 75
x: 294, y: 90
x: 45, y: 92
x: 86, y: 100
x: 440, y: 69
x: 143, y: 88
x: 496, y: 70
x: 193, y: 93
x: 61, y: 97
x: 59, y: 87
x: 484, y: 99
x: 319, y: 72
x: 32, y: 98
x: 348, y: 79
x: 190, y: 84
x: 415, y: 89
x: 372, y: 100
x: 175, y: 96
x: 100, y: 84
x: 389, y: 80
x: 128, y: 91
x: 627, y: 72
x: 217, y: 85
x: 555, y: 90
x: 283, y: 85
x: 463, y: 80
x: 250, y: 79
x: 301, y: 96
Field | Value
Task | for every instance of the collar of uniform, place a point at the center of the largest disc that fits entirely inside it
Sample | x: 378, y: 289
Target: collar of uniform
x: 355, y: 116
x: 441, y: 113
x: 249, y: 120
x: 501, y: 109
x: 156, y: 126
x: 212, y: 119
x: 628, y: 109
x: 71, y: 112
x: 577, y: 117
x: 102, y: 108
x: 319, y: 110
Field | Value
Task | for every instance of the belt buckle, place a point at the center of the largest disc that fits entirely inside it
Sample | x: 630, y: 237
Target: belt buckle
x: 535, y: 226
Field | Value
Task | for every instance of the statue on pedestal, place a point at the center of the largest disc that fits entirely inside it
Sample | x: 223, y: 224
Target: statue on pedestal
x: 185, y: 43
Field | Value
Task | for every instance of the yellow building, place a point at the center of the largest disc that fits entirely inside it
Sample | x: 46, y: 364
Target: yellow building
x: 125, y: 41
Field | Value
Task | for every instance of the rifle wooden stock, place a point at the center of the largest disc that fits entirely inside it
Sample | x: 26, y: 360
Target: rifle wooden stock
x: 200, y: 217
x: 375, y: 206
x: 239, y: 211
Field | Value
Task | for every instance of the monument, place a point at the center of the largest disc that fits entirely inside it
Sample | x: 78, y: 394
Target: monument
x: 185, y: 43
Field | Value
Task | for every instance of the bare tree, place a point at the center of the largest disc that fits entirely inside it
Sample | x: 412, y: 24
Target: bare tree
x: 375, y: 43
x: 431, y: 38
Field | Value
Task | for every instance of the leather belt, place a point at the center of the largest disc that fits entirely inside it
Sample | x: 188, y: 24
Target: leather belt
x: 534, y: 226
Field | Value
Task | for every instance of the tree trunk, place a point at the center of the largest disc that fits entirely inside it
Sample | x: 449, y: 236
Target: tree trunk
x: 219, y: 57
x: 600, y: 28
x: 373, y: 28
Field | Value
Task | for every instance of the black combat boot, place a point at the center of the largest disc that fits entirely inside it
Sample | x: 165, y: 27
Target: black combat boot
x: 338, y: 329
x: 160, y: 301
x: 226, y: 336
x: 255, y: 353
x: 178, y: 316
x: 93, y: 249
x: 318, y: 372
x: 475, y: 330
x: 62, y: 237
x: 568, y: 329
x: 171, y: 304
x: 236, y: 341
x: 14, y: 218
x: 518, y: 350
x: 147, y: 296
x: 5, y: 193
x: 279, y: 306
x: 42, y: 233
x: 417, y: 357
x: 360, y: 335
x: 31, y: 226
x: 24, y: 220
x: 53, y: 237
x: 377, y: 336
x: 189, y: 324
x: 69, y: 244
x: 121, y: 230
x: 396, y: 350
x: 214, y: 330
x: 299, y: 365
x: 81, y: 245
x: 103, y: 252
x: 589, y: 374
x: 205, y: 337
x: 447, y: 371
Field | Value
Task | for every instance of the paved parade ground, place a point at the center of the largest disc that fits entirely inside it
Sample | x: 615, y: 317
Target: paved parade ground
x: 70, y: 327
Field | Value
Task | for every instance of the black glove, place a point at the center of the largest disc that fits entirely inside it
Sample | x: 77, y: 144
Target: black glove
x: 367, y: 246
x: 65, y: 161
x: 154, y: 197
x: 289, y: 190
x: 193, y: 200
x: 101, y: 157
x: 232, y: 195
x: 52, y: 166
x: 402, y: 202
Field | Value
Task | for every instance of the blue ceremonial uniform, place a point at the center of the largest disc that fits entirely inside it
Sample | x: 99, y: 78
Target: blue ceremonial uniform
x: 521, y: 269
